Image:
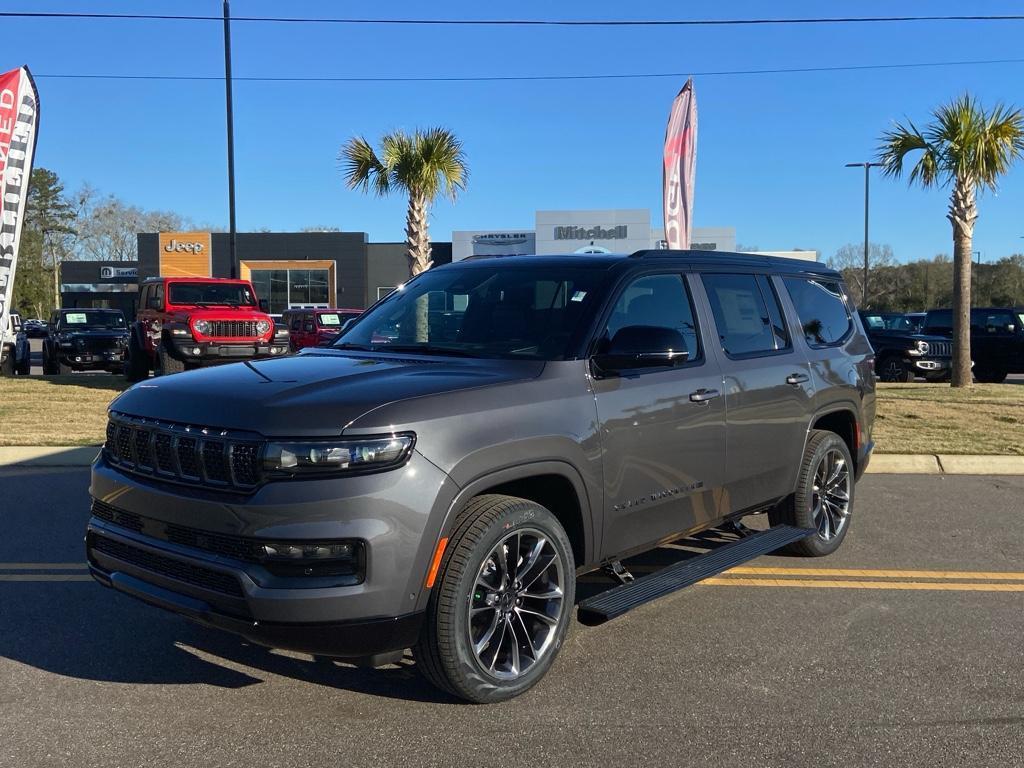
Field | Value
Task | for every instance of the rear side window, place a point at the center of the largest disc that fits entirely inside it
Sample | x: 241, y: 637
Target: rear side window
x: 746, y: 325
x: 822, y: 311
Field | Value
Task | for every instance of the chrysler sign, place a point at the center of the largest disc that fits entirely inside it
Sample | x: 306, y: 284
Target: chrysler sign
x: 593, y: 233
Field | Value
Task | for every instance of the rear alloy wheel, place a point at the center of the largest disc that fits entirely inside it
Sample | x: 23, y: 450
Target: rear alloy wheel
x: 893, y: 370
x: 824, y: 496
x: 502, y: 604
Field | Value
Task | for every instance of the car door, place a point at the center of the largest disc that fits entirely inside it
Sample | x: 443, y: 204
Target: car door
x: 767, y: 387
x: 662, y: 429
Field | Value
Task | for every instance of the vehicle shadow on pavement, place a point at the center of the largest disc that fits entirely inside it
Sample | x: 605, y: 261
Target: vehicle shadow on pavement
x: 79, y: 630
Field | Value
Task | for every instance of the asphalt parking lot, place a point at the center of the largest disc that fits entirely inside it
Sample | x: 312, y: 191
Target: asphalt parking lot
x: 878, y: 655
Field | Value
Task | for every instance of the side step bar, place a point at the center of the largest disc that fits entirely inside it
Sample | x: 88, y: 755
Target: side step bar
x: 618, y: 600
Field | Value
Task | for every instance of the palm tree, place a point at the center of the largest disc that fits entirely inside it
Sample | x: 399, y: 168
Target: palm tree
x: 964, y: 147
x: 423, y: 164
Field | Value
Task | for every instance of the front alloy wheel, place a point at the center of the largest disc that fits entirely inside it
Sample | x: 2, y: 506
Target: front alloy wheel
x: 501, y: 605
x: 515, y: 608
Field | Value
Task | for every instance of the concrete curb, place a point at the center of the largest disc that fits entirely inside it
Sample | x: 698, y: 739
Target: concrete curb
x: 47, y: 456
x: 944, y: 463
x: 881, y: 463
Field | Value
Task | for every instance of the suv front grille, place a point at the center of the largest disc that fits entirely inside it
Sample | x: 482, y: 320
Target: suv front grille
x: 233, y: 328
x: 194, y: 455
x: 940, y: 349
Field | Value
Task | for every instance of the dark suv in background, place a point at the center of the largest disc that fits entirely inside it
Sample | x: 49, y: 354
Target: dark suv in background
x: 901, y: 352
x: 997, y: 339
x: 439, y: 477
x: 85, y: 340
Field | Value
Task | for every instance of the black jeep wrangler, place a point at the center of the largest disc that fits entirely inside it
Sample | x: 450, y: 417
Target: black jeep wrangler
x: 901, y: 353
x: 85, y: 340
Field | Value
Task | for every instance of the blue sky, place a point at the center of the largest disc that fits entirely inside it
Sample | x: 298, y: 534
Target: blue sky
x: 771, y: 147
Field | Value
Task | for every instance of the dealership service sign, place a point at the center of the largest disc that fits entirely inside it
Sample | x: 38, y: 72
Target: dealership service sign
x: 19, y: 121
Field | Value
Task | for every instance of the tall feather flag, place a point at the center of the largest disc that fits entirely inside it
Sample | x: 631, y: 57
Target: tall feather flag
x: 19, y: 119
x: 680, y: 167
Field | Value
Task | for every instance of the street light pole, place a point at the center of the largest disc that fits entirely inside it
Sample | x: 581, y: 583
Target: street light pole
x: 867, y: 181
x: 231, y: 138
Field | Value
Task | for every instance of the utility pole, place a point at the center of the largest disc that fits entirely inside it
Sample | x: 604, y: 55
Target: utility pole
x: 231, y: 139
x: 867, y: 180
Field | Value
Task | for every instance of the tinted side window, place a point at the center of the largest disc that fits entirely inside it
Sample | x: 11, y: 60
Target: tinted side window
x: 819, y: 305
x: 658, y: 300
x: 939, y: 320
x: 741, y: 314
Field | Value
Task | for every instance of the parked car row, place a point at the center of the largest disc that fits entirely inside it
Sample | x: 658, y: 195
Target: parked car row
x: 920, y: 343
x: 182, y: 323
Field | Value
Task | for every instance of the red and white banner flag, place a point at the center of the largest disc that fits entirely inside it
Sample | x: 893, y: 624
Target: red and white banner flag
x: 680, y: 168
x: 19, y: 119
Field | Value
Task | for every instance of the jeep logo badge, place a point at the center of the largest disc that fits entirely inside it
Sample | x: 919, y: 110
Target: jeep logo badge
x: 173, y: 246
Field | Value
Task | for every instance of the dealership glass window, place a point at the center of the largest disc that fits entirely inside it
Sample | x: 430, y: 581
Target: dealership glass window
x: 821, y: 308
x: 288, y: 288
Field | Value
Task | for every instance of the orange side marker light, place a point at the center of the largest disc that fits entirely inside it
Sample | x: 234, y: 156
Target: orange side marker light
x: 435, y: 564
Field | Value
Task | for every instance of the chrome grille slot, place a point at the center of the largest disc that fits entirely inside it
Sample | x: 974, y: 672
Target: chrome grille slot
x: 184, y: 453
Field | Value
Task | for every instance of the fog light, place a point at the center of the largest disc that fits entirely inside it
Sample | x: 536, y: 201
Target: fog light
x: 196, y: 351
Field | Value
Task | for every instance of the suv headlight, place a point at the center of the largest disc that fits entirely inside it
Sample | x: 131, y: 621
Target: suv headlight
x: 328, y: 457
x: 202, y: 327
x: 923, y: 347
x: 262, y: 326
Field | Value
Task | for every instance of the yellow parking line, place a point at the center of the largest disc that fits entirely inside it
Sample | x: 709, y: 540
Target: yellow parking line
x: 43, y: 566
x: 44, y: 577
x: 945, y: 586
x: 878, y: 573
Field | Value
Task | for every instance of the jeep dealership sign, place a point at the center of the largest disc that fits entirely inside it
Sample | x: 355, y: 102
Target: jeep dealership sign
x: 19, y: 122
x: 185, y: 254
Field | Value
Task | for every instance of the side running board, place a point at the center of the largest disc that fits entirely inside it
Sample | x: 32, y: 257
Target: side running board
x: 618, y: 600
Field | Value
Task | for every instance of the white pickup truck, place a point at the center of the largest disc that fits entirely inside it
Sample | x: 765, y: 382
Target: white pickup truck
x: 15, y: 355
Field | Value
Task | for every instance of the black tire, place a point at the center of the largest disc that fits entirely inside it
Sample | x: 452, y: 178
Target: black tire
x: 49, y: 368
x: 25, y: 368
x: 893, y: 370
x: 7, y: 365
x: 990, y: 375
x: 800, y: 508
x: 444, y: 653
x: 166, y: 364
x: 136, y: 364
x: 64, y: 370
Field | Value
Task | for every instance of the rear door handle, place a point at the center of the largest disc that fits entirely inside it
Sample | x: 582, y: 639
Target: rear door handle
x: 797, y: 378
x: 703, y: 395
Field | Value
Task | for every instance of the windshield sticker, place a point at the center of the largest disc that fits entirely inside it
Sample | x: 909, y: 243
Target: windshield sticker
x: 330, y: 320
x: 579, y: 296
x: 74, y: 318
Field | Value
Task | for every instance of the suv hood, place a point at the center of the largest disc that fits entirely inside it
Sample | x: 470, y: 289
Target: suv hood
x: 312, y: 394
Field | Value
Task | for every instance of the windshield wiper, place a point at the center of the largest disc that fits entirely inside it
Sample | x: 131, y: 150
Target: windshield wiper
x: 356, y: 347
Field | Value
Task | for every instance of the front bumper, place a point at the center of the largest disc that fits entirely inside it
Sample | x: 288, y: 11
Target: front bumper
x: 378, y: 615
x: 212, y: 351
x: 930, y: 364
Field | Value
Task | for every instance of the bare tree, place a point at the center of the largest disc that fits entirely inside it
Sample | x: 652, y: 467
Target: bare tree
x: 106, y: 227
x: 850, y: 261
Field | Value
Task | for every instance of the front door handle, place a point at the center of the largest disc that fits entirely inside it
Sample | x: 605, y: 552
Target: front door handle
x: 703, y: 395
x: 797, y: 378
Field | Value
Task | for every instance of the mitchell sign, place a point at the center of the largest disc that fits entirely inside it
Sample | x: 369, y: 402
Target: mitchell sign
x: 593, y: 233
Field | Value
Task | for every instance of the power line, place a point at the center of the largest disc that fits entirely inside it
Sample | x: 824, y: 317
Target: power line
x: 493, y: 78
x: 514, y: 22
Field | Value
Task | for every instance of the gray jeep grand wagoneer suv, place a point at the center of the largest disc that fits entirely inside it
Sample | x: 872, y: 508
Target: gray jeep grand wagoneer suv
x: 439, y: 477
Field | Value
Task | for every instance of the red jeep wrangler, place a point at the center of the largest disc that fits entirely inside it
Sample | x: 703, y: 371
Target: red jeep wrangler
x: 188, y: 322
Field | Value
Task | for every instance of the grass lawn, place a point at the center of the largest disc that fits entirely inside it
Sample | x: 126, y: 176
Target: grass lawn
x: 935, y: 418
x: 911, y: 418
x: 56, y: 410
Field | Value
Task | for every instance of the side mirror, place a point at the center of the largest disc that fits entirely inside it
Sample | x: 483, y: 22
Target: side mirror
x: 642, y: 346
x: 264, y: 306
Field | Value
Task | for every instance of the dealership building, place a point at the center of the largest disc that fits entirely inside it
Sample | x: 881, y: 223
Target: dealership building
x: 289, y: 269
x: 597, y: 231
x: 344, y: 269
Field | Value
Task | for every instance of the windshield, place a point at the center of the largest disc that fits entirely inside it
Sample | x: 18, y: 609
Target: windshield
x: 497, y: 311
x: 234, y: 294
x: 87, y: 320
x: 889, y: 323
